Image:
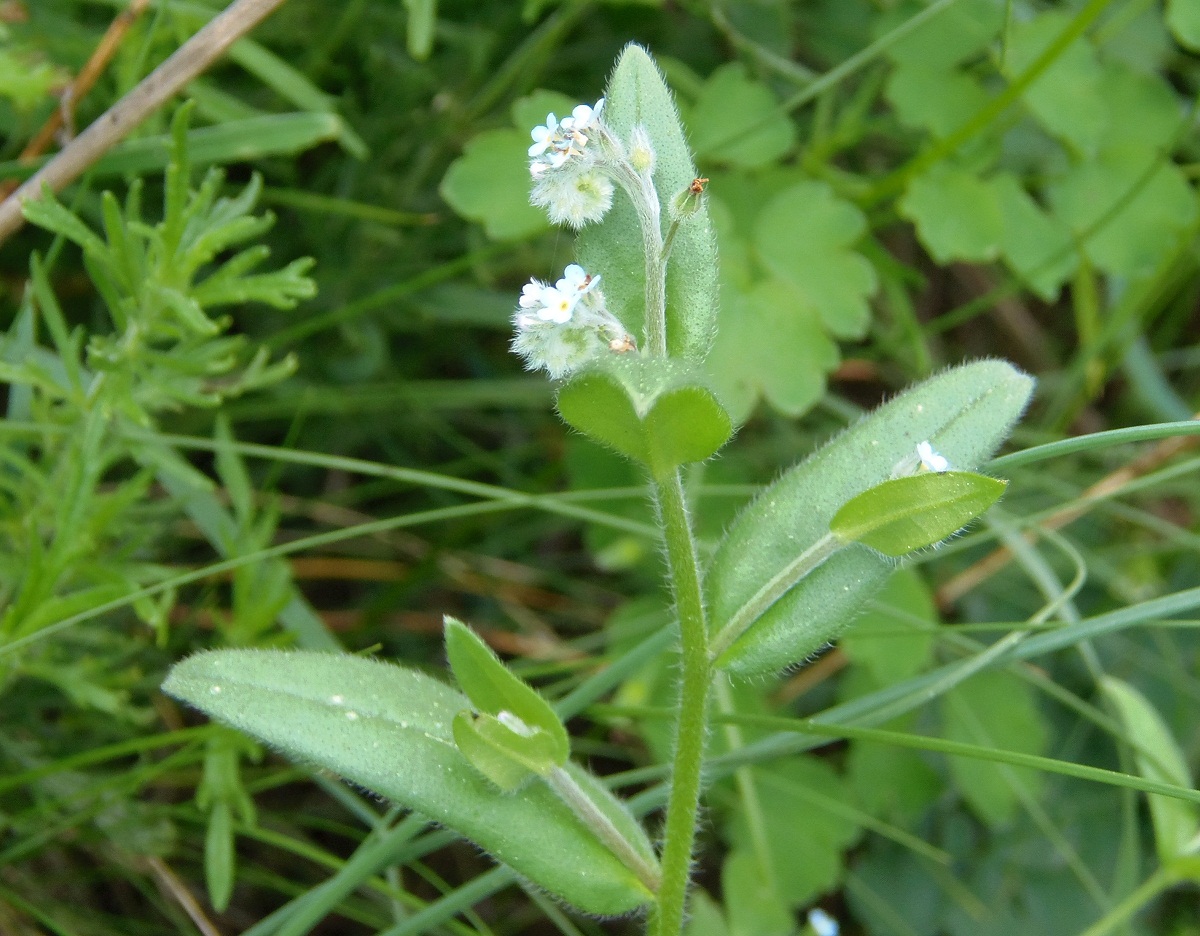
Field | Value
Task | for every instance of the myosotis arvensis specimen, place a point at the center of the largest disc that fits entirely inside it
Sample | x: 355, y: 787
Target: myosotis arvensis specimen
x: 626, y: 330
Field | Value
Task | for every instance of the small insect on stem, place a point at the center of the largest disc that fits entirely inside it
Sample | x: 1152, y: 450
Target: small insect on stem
x: 622, y: 345
x: 697, y: 186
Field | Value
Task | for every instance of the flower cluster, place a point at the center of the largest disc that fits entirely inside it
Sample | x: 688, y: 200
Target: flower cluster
x: 568, y: 182
x: 559, y: 141
x: 560, y: 328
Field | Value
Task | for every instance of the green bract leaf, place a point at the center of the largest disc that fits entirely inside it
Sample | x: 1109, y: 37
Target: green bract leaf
x: 906, y: 514
x: 965, y: 413
x: 737, y: 120
x: 803, y: 236
x: 1158, y: 758
x: 638, y: 95
x: 957, y: 215
x: 493, y: 689
x: 390, y: 730
x: 653, y: 410
x: 505, y: 755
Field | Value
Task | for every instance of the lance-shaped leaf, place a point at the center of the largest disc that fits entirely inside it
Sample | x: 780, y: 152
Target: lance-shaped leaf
x: 1158, y: 758
x: 389, y: 730
x: 653, y: 410
x: 637, y: 95
x: 517, y: 733
x: 965, y: 413
x: 910, y: 513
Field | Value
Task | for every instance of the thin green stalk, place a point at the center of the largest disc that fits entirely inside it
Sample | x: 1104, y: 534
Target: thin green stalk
x: 684, y: 802
x: 1154, y: 885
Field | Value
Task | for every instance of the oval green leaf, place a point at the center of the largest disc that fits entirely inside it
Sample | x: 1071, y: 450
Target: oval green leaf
x: 965, y: 413
x: 652, y: 410
x: 389, y: 730
x: 906, y: 514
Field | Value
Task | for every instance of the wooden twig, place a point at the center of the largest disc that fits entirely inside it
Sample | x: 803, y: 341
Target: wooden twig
x: 188, y: 61
x: 87, y: 77
x: 178, y: 891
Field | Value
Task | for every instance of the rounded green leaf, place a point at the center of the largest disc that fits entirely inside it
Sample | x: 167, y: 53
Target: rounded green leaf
x: 652, y: 410
x: 494, y: 690
x: 389, y: 730
x: 965, y: 413
x: 489, y: 184
x: 958, y: 217
x: 804, y: 235
x: 738, y: 120
x: 906, y: 514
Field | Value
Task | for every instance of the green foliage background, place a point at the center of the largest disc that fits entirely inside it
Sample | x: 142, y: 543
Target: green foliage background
x: 334, y: 454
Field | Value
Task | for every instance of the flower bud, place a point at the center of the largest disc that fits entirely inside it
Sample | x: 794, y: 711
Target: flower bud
x: 641, y: 151
x: 687, y: 201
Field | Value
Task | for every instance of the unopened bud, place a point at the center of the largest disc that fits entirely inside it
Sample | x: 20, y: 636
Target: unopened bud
x: 687, y: 201
x: 641, y: 151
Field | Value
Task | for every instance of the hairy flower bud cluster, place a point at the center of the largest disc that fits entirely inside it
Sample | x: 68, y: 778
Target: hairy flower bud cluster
x: 562, y: 327
x: 568, y: 182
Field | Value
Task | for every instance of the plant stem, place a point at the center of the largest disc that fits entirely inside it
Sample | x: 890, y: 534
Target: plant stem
x: 642, y: 192
x: 684, y: 802
x: 582, y: 805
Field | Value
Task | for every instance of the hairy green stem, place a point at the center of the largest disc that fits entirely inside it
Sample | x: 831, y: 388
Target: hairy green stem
x: 641, y: 191
x: 684, y: 802
x: 586, y: 810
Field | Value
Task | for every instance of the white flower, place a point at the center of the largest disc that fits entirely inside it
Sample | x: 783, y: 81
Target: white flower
x: 558, y: 141
x: 544, y: 136
x: 931, y: 460
x: 557, y: 305
x: 515, y: 724
x: 577, y: 281
x: 531, y: 294
x: 561, y: 328
x: 575, y: 198
x: 822, y: 923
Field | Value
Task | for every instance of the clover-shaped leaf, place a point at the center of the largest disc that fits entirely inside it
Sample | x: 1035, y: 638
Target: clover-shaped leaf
x: 738, y: 120
x: 770, y: 343
x: 803, y: 235
x: 489, y: 182
x: 957, y: 215
x: 1067, y: 97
